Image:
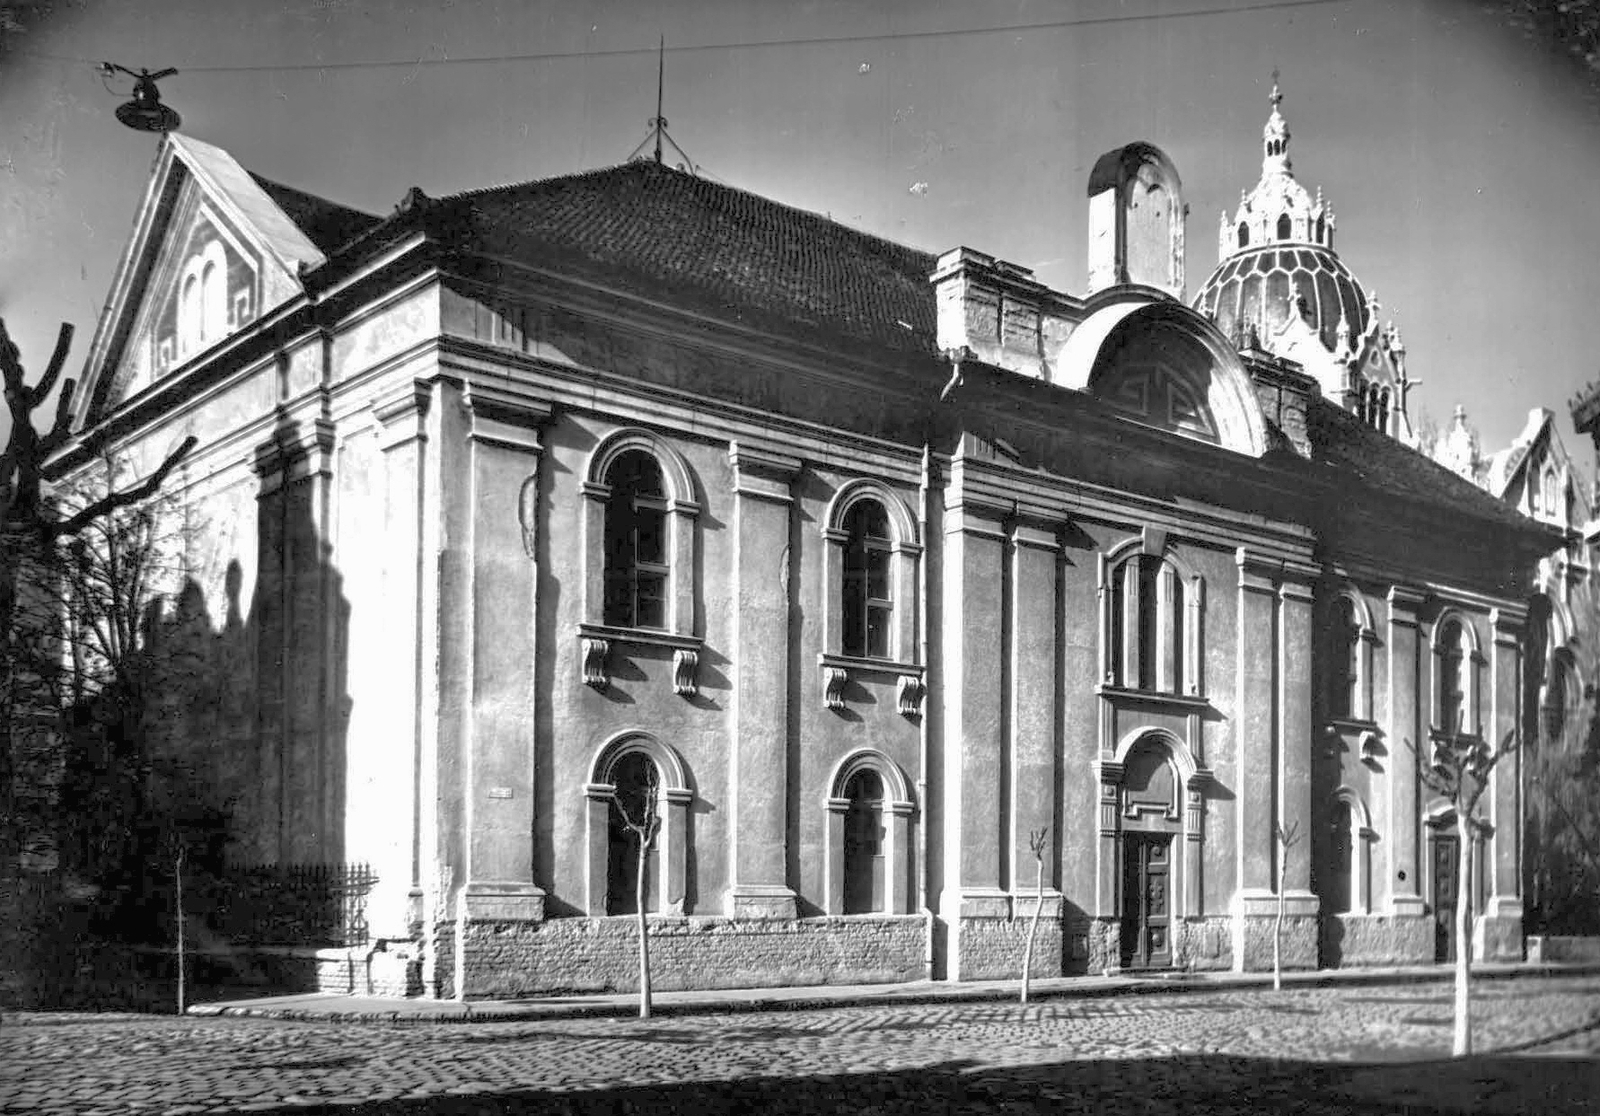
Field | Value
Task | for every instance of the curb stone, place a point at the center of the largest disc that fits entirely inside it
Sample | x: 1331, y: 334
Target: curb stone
x: 769, y: 1000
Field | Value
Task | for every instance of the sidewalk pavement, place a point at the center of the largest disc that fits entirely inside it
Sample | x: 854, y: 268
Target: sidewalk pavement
x: 320, y: 1007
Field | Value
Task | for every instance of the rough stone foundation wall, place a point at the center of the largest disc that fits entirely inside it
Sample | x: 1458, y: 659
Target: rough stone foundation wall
x: 1552, y: 947
x: 504, y: 959
x: 1355, y: 940
x: 1300, y: 939
x: 992, y: 948
x: 396, y: 971
x: 1105, y: 945
x: 1498, y: 938
x: 1203, y: 944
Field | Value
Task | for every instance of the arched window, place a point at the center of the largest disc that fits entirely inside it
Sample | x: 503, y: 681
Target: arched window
x: 1344, y: 880
x: 629, y: 773
x: 1455, y: 676
x: 864, y: 844
x: 868, y: 588
x: 1244, y: 235
x: 637, y: 798
x: 1321, y: 229
x: 1341, y: 860
x: 1283, y: 227
x: 637, y: 565
x: 639, y: 517
x: 1345, y: 673
x: 1383, y: 410
x: 1152, y: 615
x: 868, y: 853
x: 869, y: 585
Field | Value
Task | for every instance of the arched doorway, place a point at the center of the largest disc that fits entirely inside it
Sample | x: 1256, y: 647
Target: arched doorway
x: 1151, y: 827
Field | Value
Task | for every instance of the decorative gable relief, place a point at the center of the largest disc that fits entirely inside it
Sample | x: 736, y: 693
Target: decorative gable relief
x: 205, y: 285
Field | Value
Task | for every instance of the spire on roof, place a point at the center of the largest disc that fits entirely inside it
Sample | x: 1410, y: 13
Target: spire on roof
x: 1275, y: 137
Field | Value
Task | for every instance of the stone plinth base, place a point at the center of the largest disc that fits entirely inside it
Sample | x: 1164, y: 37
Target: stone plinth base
x: 501, y: 960
x: 1498, y: 938
x: 993, y: 948
x: 1253, y: 942
x: 754, y: 901
x: 1365, y: 940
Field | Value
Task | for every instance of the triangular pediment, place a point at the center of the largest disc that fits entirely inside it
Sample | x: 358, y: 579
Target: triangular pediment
x: 211, y: 252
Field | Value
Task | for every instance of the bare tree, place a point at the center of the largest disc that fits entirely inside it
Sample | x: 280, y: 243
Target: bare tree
x: 644, y: 824
x: 1458, y: 770
x: 1037, y: 840
x: 1287, y: 839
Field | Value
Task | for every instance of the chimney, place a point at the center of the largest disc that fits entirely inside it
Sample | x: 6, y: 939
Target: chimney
x: 1136, y: 220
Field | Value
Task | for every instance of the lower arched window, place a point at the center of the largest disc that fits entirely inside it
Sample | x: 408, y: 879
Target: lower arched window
x: 868, y: 846
x: 637, y: 799
x: 863, y: 844
x: 1342, y: 860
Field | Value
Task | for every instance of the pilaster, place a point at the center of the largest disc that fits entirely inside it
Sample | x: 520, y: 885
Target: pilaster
x: 504, y: 443
x: 1031, y: 725
x: 1404, y: 734
x: 758, y: 792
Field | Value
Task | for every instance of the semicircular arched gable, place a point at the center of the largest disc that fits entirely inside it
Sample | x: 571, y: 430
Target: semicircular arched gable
x: 1165, y: 366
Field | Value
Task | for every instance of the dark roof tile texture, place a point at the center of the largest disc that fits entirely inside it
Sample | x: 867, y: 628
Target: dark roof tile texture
x: 1375, y: 460
x: 326, y: 224
x: 664, y: 233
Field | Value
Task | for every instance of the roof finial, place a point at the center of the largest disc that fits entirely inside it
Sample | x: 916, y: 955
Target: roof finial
x: 660, y: 121
x: 658, y: 134
x: 1275, y: 136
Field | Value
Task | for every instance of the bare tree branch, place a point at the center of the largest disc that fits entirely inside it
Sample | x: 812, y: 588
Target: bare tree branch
x: 111, y: 501
x: 41, y: 391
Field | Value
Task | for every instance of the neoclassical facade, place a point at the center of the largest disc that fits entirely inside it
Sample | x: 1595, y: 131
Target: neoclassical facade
x: 866, y: 572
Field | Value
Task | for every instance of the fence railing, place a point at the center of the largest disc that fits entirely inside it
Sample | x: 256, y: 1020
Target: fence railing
x: 294, y: 904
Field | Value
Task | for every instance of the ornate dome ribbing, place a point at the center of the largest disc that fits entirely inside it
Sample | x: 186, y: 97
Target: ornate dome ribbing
x: 1279, y: 245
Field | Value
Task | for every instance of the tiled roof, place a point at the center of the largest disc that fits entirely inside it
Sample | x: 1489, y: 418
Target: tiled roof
x: 1376, y: 461
x: 326, y: 224
x: 663, y: 233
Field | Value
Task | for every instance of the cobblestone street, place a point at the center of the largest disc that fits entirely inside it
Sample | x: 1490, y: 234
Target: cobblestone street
x: 1316, y: 1050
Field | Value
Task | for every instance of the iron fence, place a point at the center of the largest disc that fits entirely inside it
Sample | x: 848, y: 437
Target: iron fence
x: 294, y: 904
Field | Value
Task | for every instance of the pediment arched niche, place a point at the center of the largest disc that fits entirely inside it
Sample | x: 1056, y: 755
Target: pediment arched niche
x: 1161, y: 370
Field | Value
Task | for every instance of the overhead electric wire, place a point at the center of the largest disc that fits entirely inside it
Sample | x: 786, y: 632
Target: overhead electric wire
x: 759, y: 44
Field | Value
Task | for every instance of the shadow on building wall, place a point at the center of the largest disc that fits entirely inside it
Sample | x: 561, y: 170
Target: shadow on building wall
x: 228, y: 771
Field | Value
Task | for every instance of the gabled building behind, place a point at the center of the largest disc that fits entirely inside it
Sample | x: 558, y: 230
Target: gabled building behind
x: 863, y: 564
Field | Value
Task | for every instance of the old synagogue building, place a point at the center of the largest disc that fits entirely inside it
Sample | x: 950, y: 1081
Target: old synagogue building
x: 863, y: 567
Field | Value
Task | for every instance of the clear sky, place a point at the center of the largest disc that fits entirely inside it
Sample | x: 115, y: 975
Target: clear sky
x: 1461, y: 156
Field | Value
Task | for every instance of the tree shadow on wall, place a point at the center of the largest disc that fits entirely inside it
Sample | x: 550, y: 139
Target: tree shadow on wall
x: 230, y: 770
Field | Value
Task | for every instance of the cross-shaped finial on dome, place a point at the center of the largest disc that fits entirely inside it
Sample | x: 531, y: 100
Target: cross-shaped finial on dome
x: 1276, y: 96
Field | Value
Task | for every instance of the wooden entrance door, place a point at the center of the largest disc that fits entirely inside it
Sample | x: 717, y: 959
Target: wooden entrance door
x: 1146, y: 901
x: 1446, y: 884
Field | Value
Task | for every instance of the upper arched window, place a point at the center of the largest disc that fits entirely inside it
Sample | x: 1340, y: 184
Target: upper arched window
x: 1455, y: 676
x: 639, y: 555
x: 870, y: 572
x: 868, y: 588
x: 1244, y: 235
x: 1152, y: 620
x: 1344, y: 662
x: 1321, y: 229
x: 1284, y: 228
x: 637, y: 565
